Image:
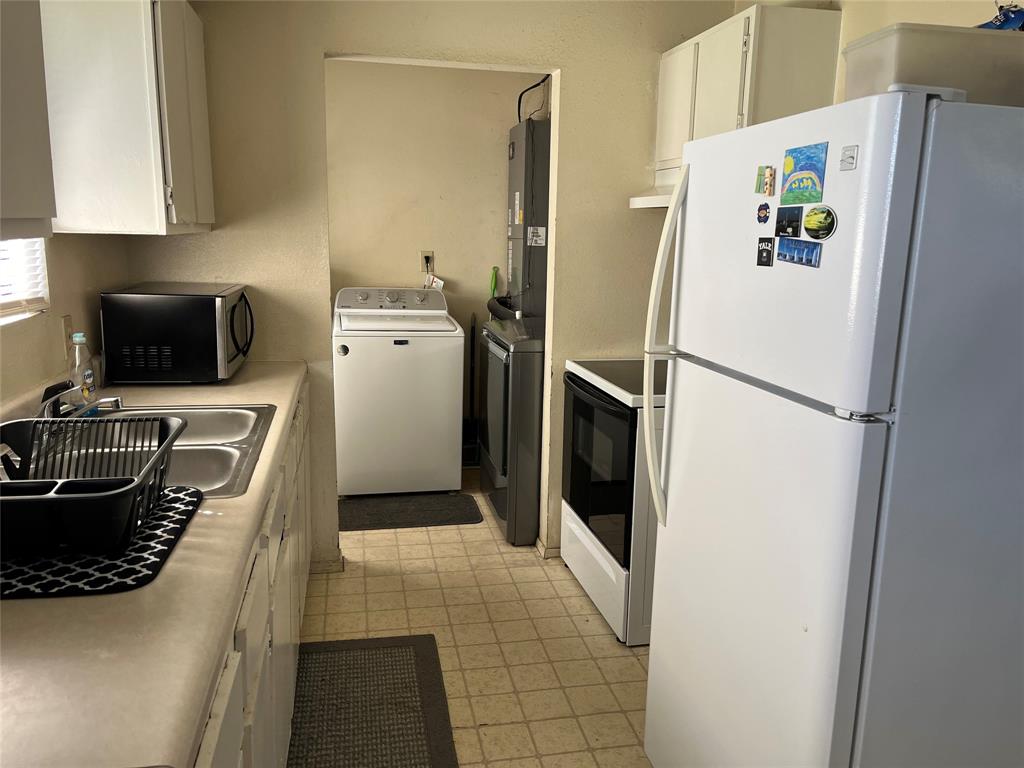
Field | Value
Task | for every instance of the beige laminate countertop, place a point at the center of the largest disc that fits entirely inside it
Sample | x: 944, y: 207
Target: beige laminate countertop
x: 126, y: 680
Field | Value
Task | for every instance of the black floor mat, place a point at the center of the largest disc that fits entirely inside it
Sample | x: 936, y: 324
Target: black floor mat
x: 406, y: 510
x: 71, y: 575
x: 368, y: 703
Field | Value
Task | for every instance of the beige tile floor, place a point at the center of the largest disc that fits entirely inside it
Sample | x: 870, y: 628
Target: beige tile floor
x: 535, y: 677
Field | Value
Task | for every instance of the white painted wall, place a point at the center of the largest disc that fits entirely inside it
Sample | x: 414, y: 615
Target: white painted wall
x: 32, y: 349
x: 417, y: 160
x: 265, y: 81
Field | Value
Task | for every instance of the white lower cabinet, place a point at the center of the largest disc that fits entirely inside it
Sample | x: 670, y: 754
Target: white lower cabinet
x: 222, y: 742
x: 258, y: 734
x: 284, y: 656
x: 250, y: 720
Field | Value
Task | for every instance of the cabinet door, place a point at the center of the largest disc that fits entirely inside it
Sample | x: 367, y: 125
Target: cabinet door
x: 285, y: 653
x: 186, y: 145
x: 104, y: 113
x: 721, y: 78
x: 222, y: 740
x: 675, y: 104
x: 258, y: 748
x: 26, y: 197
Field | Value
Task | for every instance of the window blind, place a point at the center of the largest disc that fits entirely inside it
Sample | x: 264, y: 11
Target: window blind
x: 23, y: 285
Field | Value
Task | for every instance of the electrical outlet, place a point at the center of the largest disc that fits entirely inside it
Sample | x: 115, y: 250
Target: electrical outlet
x: 427, y: 263
x: 66, y: 329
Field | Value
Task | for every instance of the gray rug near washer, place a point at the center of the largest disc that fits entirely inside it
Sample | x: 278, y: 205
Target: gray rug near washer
x: 375, y: 703
x: 406, y: 510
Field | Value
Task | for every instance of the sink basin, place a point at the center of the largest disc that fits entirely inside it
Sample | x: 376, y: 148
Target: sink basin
x: 219, y: 448
x: 208, y: 426
x: 206, y: 467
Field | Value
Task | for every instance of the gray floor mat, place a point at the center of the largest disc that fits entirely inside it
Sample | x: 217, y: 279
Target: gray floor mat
x: 374, y: 703
x: 406, y: 510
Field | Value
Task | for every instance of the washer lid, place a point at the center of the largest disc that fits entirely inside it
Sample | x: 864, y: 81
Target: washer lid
x: 395, y: 322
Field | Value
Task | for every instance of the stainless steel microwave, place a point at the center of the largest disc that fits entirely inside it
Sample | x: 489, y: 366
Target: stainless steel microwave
x: 175, y: 332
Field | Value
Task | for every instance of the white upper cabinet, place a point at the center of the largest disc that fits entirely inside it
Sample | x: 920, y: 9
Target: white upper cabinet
x: 26, y: 174
x: 764, y: 63
x: 676, y: 84
x: 721, y: 77
x: 126, y: 88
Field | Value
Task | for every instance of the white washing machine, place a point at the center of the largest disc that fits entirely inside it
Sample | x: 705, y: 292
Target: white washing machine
x: 398, y: 376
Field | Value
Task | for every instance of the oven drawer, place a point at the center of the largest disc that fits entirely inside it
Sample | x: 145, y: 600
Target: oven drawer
x: 604, y: 580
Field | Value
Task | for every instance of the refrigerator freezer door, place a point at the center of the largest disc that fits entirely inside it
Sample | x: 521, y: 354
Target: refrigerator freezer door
x: 761, y: 578
x: 827, y: 332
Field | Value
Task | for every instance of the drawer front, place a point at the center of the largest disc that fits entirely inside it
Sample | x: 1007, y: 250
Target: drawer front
x: 222, y: 741
x: 253, y: 618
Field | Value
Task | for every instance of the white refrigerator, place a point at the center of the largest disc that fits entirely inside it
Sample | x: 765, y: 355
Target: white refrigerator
x: 840, y: 573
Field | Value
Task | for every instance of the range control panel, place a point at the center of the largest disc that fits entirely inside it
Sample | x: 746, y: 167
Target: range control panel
x: 394, y: 299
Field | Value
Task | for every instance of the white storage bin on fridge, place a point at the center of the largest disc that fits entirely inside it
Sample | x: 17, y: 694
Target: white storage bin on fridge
x: 987, y: 63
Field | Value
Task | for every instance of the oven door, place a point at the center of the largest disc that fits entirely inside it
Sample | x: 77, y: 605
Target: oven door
x: 599, y: 457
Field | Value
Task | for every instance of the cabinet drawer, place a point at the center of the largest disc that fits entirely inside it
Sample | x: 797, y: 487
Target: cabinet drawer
x: 253, y: 618
x: 222, y: 741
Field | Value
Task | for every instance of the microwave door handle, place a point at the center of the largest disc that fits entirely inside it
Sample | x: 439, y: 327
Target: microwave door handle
x: 231, y: 329
x: 250, y: 324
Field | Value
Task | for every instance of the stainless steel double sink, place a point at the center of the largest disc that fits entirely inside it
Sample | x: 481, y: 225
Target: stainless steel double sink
x: 219, y: 448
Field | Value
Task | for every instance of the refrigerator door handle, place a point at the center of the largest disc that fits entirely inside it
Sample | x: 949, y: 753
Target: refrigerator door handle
x: 654, y: 351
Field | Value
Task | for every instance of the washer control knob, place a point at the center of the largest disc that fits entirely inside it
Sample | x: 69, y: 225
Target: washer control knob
x: 391, y: 297
x: 362, y: 296
x: 421, y: 297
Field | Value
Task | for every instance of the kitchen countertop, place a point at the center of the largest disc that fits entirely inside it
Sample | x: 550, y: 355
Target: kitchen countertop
x: 127, y: 679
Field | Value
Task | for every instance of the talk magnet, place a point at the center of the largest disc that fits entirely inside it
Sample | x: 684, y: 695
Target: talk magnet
x: 764, y: 211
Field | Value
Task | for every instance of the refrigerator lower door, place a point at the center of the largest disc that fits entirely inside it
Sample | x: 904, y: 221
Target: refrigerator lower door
x: 761, y: 578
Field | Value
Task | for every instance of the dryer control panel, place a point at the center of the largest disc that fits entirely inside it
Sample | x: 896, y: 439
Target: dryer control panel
x: 425, y: 300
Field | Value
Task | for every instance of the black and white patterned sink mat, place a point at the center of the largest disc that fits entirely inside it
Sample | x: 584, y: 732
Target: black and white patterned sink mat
x: 71, y: 575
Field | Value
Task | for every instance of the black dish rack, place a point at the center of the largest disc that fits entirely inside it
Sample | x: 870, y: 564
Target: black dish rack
x: 82, y: 485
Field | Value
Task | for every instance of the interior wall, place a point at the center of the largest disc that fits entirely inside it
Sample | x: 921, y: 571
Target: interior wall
x: 78, y: 267
x: 417, y: 160
x: 265, y: 86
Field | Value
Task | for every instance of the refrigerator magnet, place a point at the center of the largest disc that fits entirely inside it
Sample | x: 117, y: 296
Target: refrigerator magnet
x: 787, y: 221
x: 763, y: 212
x: 799, y: 252
x: 765, y: 251
x: 820, y: 222
x: 803, y: 174
x: 764, y: 182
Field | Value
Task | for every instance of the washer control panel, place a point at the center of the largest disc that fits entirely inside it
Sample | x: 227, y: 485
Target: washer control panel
x: 391, y: 299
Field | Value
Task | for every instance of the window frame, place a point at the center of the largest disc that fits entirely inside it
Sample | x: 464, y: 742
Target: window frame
x: 33, y: 294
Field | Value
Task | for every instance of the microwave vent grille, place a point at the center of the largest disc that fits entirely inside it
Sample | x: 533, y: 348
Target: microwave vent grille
x: 147, y: 357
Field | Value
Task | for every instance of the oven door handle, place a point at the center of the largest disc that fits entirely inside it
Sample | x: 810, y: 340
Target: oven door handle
x: 595, y: 397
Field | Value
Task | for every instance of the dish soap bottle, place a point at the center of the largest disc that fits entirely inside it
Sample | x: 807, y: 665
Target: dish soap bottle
x: 80, y: 367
